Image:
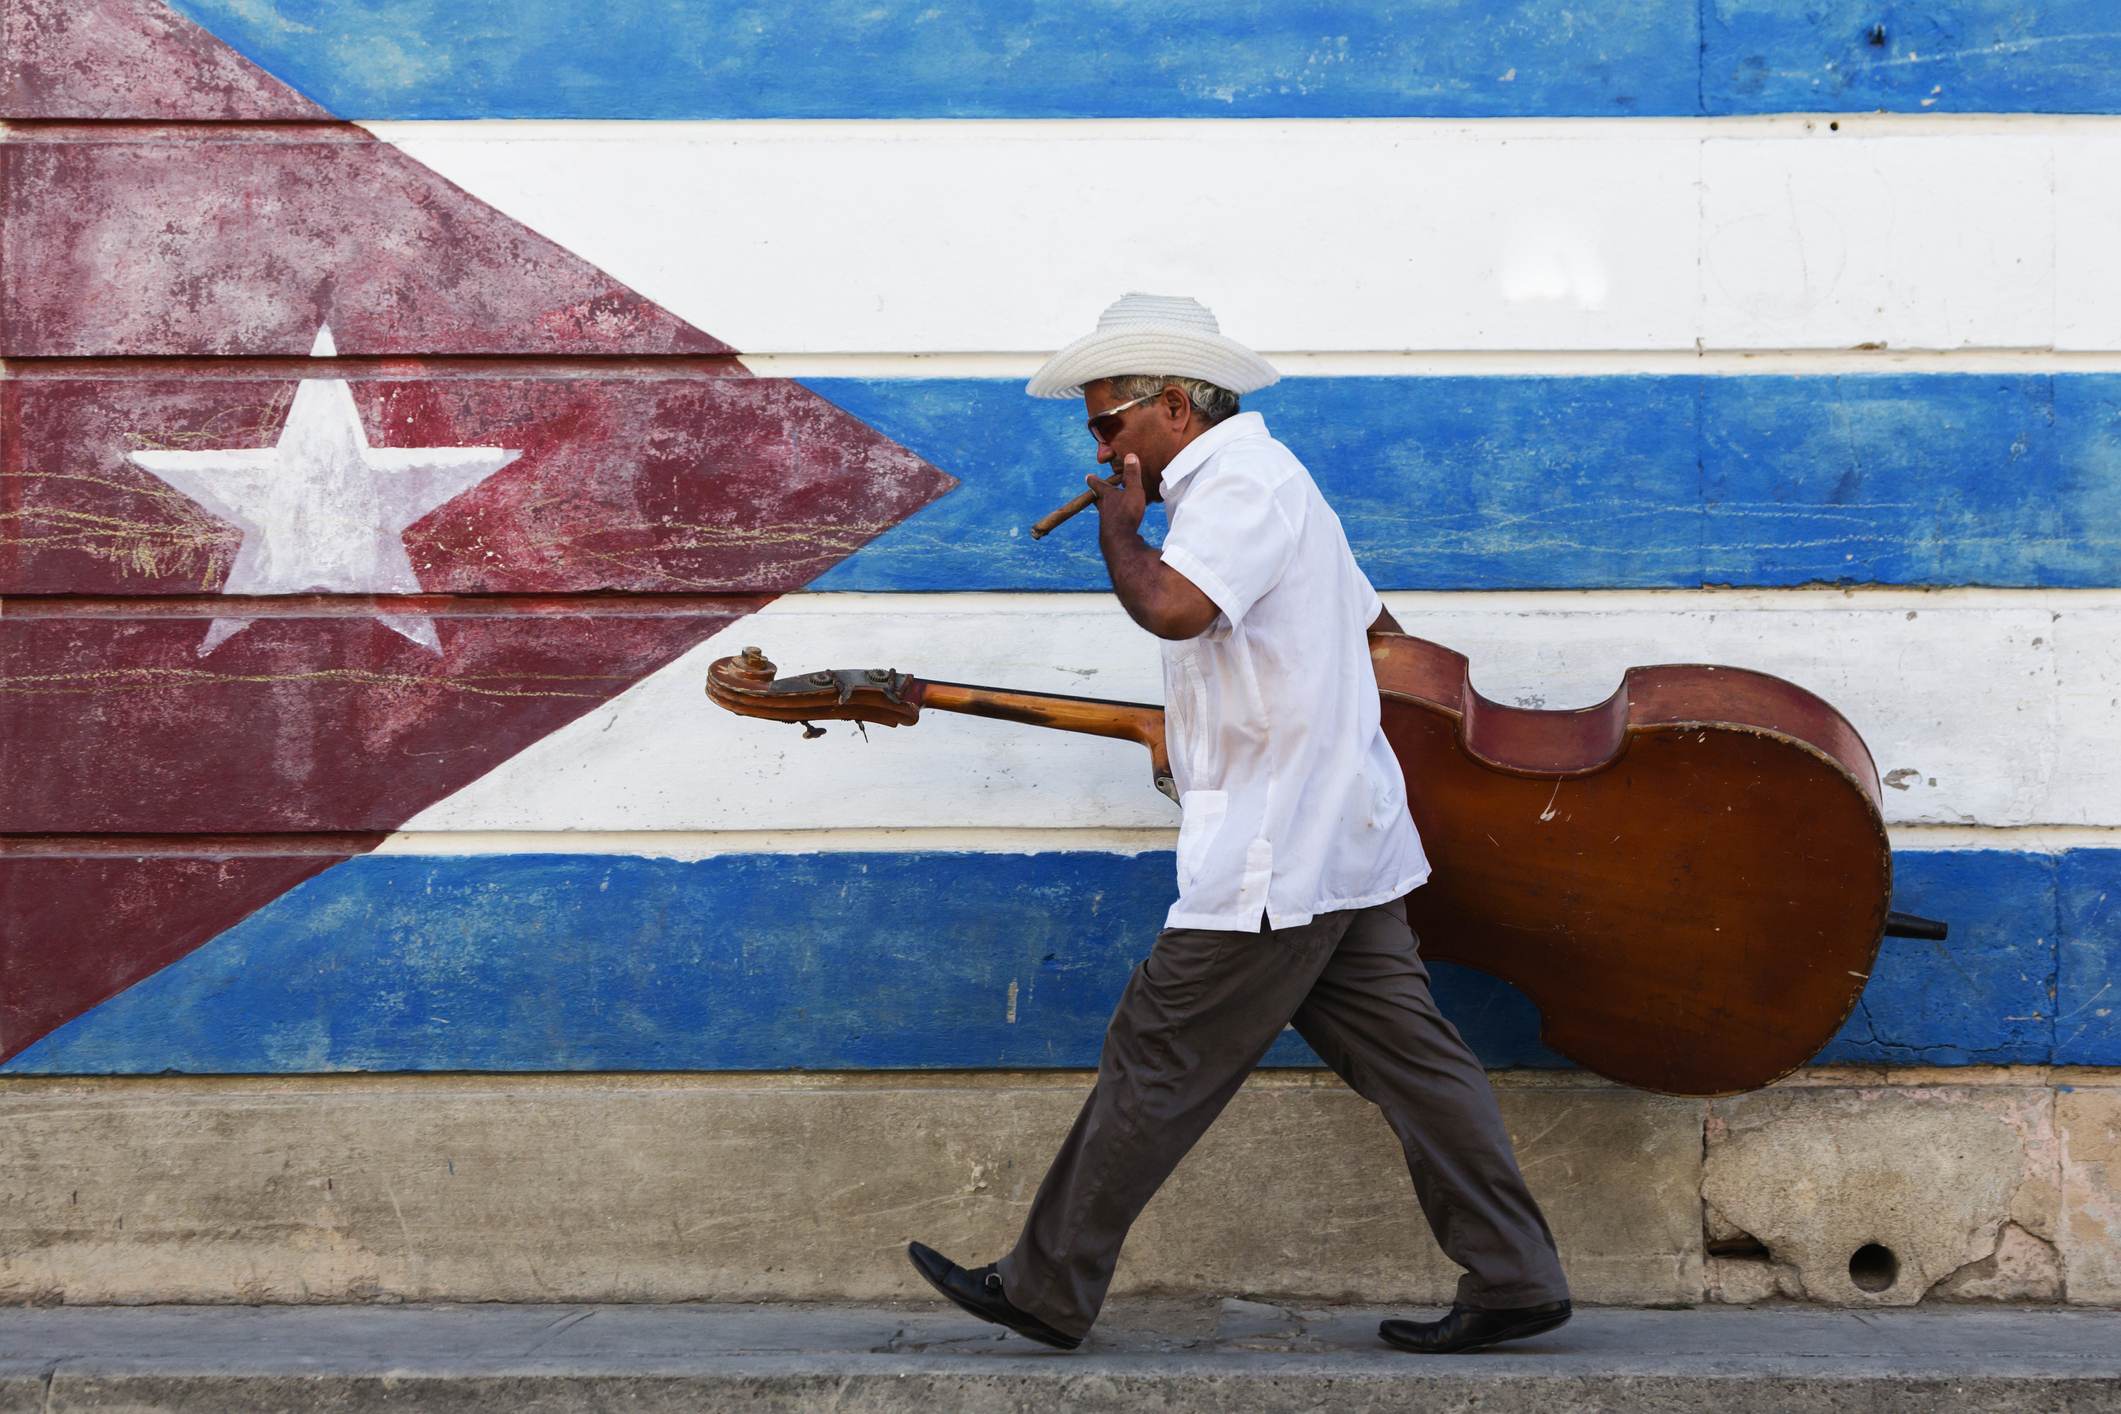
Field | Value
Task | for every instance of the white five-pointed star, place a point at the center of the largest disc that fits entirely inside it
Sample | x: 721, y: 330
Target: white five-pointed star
x: 322, y: 511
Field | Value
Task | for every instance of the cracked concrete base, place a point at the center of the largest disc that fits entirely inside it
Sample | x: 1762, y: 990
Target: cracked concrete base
x: 1996, y: 1185
x: 2088, y: 1117
x: 2023, y: 1267
x: 767, y: 1188
x: 1876, y: 1195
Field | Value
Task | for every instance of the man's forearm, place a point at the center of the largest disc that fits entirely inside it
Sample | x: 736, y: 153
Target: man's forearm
x: 1138, y: 579
x: 1156, y: 596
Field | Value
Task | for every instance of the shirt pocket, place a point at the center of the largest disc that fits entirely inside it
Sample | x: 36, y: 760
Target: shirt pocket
x: 1201, y: 738
x: 1186, y: 713
x: 1201, y: 820
x: 1387, y: 792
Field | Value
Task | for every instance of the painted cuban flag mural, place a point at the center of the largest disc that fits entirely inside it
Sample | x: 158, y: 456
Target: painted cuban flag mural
x: 404, y: 402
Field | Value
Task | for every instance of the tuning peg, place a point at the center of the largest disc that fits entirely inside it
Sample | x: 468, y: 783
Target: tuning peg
x: 753, y: 666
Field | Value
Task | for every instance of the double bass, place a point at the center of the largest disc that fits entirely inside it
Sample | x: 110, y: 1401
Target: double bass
x: 1690, y: 880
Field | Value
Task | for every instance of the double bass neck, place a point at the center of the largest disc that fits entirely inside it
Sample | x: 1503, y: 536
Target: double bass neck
x: 746, y: 685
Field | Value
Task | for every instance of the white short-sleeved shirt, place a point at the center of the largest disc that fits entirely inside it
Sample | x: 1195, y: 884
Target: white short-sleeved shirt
x: 1293, y: 801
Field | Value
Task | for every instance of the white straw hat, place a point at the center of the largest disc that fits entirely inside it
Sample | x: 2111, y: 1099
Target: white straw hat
x: 1153, y: 334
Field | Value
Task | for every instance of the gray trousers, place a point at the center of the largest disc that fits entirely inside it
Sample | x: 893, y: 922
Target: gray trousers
x: 1195, y: 1019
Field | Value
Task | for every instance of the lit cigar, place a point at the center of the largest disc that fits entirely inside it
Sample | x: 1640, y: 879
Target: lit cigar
x: 1061, y: 515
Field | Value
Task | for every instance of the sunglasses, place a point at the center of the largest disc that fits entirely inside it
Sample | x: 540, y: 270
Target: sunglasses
x: 1105, y: 426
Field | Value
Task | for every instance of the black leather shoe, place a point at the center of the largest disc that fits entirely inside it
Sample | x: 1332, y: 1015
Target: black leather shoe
x: 980, y: 1292
x: 1467, y: 1329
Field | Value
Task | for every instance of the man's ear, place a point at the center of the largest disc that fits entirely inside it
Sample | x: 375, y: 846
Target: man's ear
x: 1181, y: 410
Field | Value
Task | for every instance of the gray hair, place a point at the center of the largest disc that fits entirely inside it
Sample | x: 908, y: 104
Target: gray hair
x: 1213, y: 403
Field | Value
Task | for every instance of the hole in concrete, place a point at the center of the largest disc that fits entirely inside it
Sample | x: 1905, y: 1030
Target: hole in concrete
x: 1873, y: 1267
x: 1744, y: 1248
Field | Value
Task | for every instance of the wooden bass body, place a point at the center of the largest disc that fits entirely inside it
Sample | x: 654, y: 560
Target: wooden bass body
x: 1689, y: 880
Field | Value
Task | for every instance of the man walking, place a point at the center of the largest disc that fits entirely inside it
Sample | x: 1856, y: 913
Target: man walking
x: 1295, y: 850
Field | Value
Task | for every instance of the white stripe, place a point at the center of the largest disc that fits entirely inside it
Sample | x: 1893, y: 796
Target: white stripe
x: 1498, y: 363
x: 706, y: 844
x: 2032, y: 840
x: 1985, y: 708
x: 1332, y: 236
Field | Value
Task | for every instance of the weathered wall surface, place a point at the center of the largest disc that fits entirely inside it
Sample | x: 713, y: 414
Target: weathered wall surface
x: 374, y: 490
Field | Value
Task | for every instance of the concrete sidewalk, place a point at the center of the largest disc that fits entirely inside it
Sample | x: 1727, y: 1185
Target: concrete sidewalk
x: 1238, y: 1356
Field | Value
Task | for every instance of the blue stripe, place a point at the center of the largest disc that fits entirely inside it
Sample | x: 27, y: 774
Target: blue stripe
x: 1911, y: 56
x: 917, y: 59
x: 2088, y: 993
x: 1565, y: 483
x: 1985, y: 996
x: 854, y: 961
x: 1176, y: 59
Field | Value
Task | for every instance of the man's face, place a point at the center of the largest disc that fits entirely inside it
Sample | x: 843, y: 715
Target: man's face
x: 1152, y: 431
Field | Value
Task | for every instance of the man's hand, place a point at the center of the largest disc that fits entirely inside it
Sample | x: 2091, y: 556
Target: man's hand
x: 1122, y: 501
